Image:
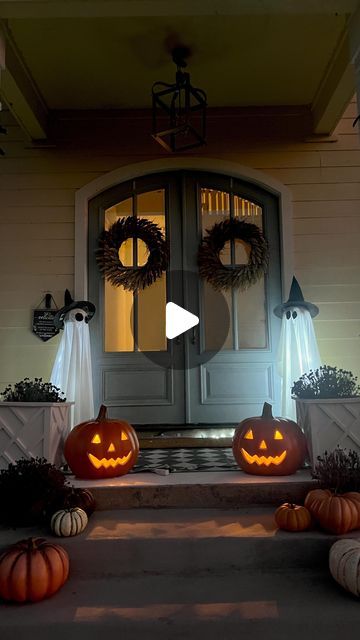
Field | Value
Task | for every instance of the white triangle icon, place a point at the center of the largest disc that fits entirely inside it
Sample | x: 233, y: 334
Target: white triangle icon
x: 178, y: 320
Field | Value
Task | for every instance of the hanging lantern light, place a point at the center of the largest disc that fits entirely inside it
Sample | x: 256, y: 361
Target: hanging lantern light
x: 179, y: 109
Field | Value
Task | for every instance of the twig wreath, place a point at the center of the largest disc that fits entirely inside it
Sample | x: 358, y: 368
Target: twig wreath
x: 108, y: 259
x: 241, y: 276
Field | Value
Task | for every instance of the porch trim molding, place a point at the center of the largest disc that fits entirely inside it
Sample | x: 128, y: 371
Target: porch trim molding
x: 130, y: 171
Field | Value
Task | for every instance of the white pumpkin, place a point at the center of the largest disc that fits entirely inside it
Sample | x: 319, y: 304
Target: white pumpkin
x: 68, y: 522
x: 344, y: 563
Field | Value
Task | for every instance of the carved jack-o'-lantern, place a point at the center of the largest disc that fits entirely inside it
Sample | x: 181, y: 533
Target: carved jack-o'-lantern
x: 101, y: 448
x: 269, y: 446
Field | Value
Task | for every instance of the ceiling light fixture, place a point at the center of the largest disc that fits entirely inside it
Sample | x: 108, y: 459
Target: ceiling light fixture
x: 179, y: 109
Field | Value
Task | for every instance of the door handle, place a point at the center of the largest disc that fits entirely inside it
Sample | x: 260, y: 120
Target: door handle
x: 193, y: 335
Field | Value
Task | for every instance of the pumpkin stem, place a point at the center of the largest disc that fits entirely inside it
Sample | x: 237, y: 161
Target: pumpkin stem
x: 32, y: 546
x: 102, y: 413
x: 267, y: 411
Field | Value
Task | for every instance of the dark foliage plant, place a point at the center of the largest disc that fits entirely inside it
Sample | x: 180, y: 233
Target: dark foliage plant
x: 28, y: 488
x: 326, y: 382
x: 32, y: 391
x: 338, y: 471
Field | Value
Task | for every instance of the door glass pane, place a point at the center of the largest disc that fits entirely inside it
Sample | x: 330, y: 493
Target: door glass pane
x: 251, y: 317
x: 215, y: 207
x: 118, y: 312
x: 247, y: 308
x: 213, y: 335
x: 251, y: 308
x: 127, y: 314
x: 152, y: 300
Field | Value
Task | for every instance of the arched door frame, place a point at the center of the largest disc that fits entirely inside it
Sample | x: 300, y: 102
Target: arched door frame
x: 127, y: 172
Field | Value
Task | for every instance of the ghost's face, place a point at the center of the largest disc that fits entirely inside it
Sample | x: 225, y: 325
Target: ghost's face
x: 76, y: 315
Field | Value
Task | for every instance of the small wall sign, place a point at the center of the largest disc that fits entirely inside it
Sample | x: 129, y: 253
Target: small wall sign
x: 43, y: 320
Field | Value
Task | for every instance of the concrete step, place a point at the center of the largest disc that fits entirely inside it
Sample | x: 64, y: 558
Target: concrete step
x: 173, y: 574
x: 222, y: 489
x: 295, y: 604
x: 185, y: 543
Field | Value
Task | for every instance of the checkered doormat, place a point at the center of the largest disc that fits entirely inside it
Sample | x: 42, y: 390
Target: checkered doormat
x: 178, y: 460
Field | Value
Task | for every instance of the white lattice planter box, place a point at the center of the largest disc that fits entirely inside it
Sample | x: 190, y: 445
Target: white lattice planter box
x: 328, y: 424
x: 33, y: 429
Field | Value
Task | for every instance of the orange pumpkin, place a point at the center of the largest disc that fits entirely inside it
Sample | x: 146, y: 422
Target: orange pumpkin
x: 354, y: 496
x: 269, y: 446
x: 292, y: 517
x: 32, y: 570
x: 335, y: 513
x: 101, y: 448
x: 314, y: 498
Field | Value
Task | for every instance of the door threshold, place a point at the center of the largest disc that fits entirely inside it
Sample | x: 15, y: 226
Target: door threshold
x: 184, y: 443
x: 185, y: 436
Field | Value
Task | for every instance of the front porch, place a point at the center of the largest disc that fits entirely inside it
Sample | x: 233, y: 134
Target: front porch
x: 184, y: 546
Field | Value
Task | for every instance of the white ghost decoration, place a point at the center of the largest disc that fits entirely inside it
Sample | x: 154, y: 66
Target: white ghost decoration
x: 298, y: 353
x: 72, y: 371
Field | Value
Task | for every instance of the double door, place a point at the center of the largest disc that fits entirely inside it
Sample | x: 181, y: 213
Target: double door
x: 225, y: 368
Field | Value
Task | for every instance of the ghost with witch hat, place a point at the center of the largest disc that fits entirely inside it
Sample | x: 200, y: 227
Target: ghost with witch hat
x: 298, y: 350
x: 72, y: 368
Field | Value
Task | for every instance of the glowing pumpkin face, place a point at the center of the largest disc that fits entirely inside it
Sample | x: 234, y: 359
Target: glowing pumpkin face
x: 269, y: 446
x: 109, y: 460
x: 101, y: 448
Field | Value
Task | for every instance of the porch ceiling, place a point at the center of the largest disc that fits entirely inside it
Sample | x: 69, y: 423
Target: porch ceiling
x: 244, y: 54
x: 243, y: 60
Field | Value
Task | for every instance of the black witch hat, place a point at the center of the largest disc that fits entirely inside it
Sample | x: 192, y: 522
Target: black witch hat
x: 296, y: 299
x: 70, y: 304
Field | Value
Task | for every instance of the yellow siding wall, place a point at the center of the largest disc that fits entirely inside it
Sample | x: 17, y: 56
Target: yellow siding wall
x: 37, y: 188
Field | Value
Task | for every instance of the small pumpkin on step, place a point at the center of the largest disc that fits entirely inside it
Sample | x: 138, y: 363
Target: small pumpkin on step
x: 334, y: 513
x: 68, y: 522
x: 292, y: 517
x: 336, y: 506
x: 32, y: 570
x: 344, y: 564
x: 70, y: 497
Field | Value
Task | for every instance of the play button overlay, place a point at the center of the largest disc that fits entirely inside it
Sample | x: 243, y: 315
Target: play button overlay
x: 188, y: 329
x: 178, y: 320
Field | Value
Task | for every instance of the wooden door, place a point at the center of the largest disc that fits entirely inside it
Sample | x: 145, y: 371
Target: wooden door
x: 230, y: 381
x: 138, y: 374
x: 193, y: 379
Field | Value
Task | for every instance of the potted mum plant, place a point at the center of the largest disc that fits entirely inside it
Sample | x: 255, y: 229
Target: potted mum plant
x: 328, y: 410
x: 34, y: 421
x: 33, y: 490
